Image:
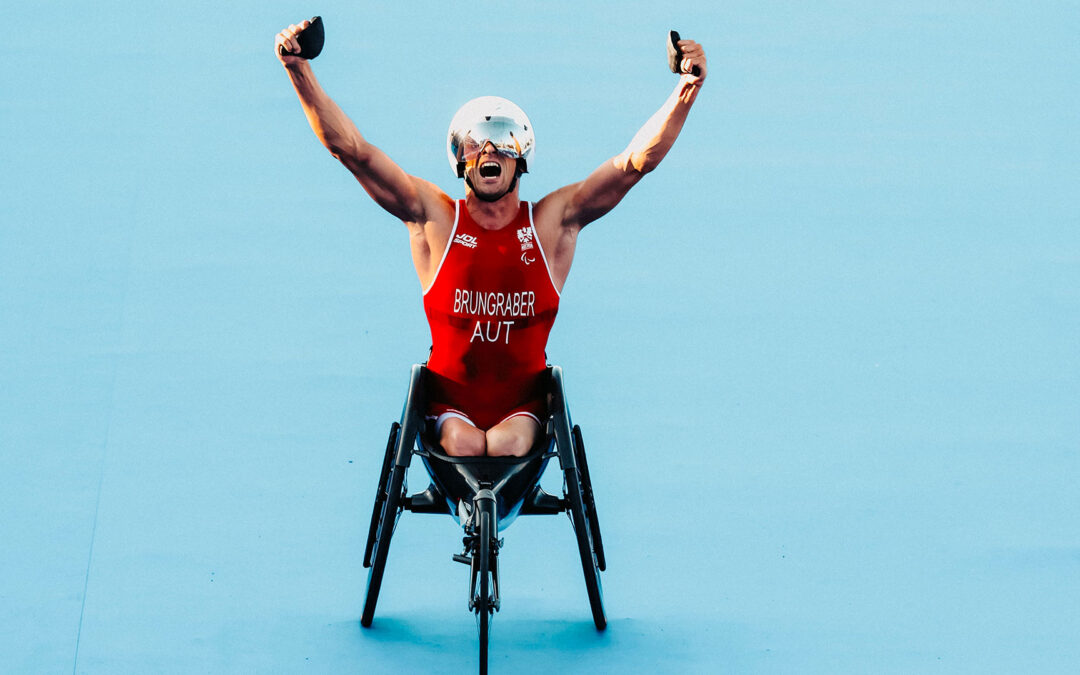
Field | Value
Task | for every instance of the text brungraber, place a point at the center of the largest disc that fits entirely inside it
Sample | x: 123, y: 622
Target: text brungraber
x: 493, y: 304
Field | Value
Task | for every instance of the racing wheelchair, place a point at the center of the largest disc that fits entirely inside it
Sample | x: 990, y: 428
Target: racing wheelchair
x: 484, y: 494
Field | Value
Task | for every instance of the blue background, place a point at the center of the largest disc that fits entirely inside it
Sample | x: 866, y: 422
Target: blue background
x: 826, y: 357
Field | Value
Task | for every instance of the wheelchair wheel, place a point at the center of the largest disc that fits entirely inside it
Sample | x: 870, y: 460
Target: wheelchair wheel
x: 380, y: 493
x: 590, y: 501
x: 392, y: 505
x: 483, y: 606
x: 582, y: 530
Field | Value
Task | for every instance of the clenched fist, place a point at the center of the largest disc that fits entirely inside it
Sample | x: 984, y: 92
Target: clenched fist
x: 299, y: 42
x: 693, y: 55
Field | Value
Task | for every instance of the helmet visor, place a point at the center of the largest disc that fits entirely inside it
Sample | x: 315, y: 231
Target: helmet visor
x: 501, y: 132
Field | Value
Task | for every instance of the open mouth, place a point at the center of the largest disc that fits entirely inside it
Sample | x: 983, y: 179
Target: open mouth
x: 490, y: 170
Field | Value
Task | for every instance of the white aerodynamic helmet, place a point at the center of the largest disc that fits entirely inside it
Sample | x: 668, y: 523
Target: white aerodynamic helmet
x: 489, y: 119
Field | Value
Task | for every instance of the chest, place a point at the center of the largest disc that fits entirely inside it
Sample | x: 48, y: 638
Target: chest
x: 508, y: 259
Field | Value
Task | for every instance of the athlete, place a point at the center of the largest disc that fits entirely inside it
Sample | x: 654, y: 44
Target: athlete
x: 491, y: 266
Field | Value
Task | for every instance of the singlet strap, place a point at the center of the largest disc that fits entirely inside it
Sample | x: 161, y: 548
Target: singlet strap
x: 543, y: 256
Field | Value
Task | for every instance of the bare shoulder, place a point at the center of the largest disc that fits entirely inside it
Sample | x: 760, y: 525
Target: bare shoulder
x: 550, y: 213
x: 557, y: 233
x: 430, y: 233
x: 437, y: 207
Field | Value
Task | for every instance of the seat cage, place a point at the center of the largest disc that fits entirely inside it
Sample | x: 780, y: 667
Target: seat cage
x: 455, y: 480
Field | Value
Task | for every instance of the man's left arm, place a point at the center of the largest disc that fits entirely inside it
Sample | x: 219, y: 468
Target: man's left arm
x: 606, y: 186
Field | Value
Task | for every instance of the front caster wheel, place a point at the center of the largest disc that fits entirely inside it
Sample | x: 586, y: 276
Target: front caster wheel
x: 484, y: 587
x: 483, y: 600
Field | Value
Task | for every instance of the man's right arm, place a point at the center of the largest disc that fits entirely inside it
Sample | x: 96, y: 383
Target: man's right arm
x: 387, y: 183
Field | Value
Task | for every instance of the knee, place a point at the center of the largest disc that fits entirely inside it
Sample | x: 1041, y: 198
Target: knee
x: 508, y: 443
x: 459, y: 439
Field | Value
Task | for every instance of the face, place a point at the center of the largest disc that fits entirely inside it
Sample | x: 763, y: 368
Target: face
x: 491, y: 172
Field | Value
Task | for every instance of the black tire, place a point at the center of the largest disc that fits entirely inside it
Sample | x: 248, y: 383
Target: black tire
x: 392, y: 507
x: 483, y: 600
x: 380, y: 493
x: 589, y: 499
x: 582, y: 531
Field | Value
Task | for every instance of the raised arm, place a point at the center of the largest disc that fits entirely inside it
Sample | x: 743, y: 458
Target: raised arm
x: 586, y: 201
x: 399, y: 193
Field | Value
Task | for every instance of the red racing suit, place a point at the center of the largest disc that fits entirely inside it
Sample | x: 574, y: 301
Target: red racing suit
x: 490, y: 307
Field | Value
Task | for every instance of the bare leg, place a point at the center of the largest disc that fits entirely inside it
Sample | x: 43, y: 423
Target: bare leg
x: 461, y: 439
x: 512, y: 437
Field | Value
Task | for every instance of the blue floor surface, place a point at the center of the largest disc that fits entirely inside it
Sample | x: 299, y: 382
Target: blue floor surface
x: 826, y: 358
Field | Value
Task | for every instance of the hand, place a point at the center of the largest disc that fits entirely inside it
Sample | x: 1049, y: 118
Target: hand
x: 693, y: 54
x: 287, y: 39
